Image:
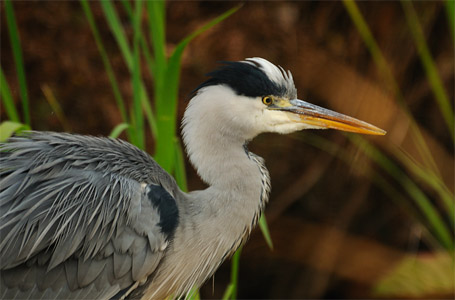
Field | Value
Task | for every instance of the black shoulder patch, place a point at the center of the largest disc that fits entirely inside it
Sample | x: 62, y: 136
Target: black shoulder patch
x: 167, y: 209
x: 245, y: 79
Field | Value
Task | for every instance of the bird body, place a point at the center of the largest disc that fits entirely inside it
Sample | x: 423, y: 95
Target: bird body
x: 91, y: 217
x: 129, y: 232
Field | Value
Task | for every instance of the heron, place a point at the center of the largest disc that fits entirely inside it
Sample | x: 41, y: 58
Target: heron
x: 93, y: 217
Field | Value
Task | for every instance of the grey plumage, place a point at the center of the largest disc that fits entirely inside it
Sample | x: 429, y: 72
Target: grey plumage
x: 87, y: 217
x: 72, y: 210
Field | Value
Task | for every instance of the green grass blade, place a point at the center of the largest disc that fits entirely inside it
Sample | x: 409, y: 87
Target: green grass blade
x: 165, y: 99
x: 180, y: 47
x: 389, y: 78
x: 56, y: 108
x: 379, y: 180
x: 8, y: 128
x: 151, y: 119
x: 122, y: 41
x: 265, y: 231
x: 118, y: 32
x: 235, y: 273
x: 429, y: 178
x: 417, y: 277
x: 432, y: 216
x: 193, y: 294
x: 370, y: 42
x: 228, y: 292
x: 18, y: 60
x: 115, y: 133
x: 167, y: 110
x: 107, y: 65
x: 156, y: 18
x: 133, y: 136
x: 138, y: 121
x: 127, y: 6
x: 156, y: 14
x: 450, y: 11
x: 7, y: 99
x: 143, y: 41
x: 429, y: 65
x: 180, y: 170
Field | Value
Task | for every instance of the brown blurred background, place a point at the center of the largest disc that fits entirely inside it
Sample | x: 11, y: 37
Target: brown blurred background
x: 336, y: 234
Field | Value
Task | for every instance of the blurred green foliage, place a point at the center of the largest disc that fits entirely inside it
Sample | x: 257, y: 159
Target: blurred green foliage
x: 432, y: 214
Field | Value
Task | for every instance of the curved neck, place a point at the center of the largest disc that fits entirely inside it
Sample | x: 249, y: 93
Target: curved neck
x: 215, y: 145
x: 215, y: 141
x: 230, y: 207
x: 237, y: 178
x: 220, y: 160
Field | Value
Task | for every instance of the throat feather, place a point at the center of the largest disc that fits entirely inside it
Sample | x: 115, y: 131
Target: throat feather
x: 265, y: 186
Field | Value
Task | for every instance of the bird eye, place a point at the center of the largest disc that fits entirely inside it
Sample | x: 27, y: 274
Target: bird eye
x: 267, y: 100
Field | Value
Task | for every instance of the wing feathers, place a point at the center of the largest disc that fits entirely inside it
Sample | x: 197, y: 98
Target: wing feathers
x: 88, y: 271
x: 124, y: 241
x: 53, y: 278
x: 108, y: 250
x: 139, y: 255
x: 71, y: 274
x: 28, y: 279
x: 122, y: 264
x: 150, y: 262
x: 75, y: 223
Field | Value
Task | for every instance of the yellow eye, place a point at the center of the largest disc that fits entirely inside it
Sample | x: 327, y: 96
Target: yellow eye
x: 267, y: 100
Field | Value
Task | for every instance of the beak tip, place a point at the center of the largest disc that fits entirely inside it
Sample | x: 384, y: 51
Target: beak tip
x: 376, y: 131
x: 379, y: 131
x: 324, y: 118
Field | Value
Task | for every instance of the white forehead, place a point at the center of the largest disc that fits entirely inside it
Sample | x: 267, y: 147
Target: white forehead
x: 275, y: 73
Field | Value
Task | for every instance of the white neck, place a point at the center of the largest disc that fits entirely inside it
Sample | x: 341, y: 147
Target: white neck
x: 226, y: 211
x: 215, y: 145
x: 238, y: 182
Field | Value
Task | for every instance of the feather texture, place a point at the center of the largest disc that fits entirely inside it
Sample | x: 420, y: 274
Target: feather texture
x: 75, y: 218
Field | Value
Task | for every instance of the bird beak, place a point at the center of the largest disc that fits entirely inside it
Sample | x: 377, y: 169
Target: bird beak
x: 319, y: 117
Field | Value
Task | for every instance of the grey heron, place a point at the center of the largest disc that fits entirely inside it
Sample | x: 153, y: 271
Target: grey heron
x: 92, y: 217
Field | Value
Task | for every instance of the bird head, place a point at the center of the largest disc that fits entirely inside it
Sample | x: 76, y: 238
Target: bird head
x: 254, y: 96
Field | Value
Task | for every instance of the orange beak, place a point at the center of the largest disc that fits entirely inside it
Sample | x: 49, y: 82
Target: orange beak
x: 319, y: 117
